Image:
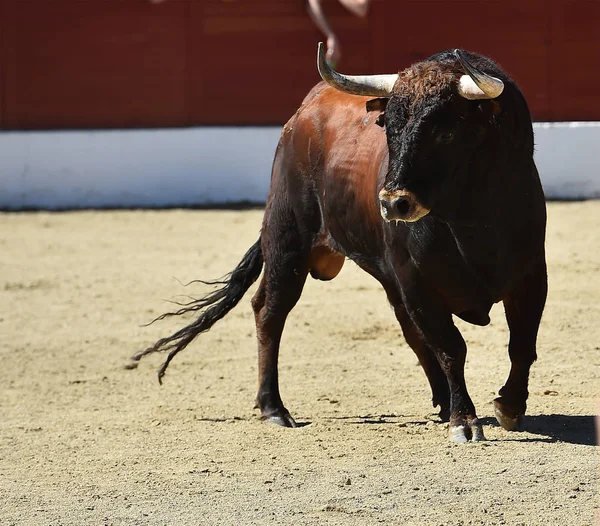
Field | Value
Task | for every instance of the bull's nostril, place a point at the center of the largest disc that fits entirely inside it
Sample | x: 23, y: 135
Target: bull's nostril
x: 396, y: 207
x: 403, y: 206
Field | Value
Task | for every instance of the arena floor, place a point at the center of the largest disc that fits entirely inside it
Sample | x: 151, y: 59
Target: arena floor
x: 83, y: 440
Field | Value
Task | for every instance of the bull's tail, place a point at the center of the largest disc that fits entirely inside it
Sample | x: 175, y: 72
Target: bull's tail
x: 212, y: 307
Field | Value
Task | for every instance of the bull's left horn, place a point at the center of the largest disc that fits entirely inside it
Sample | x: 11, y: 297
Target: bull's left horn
x: 370, y: 85
x: 477, y: 84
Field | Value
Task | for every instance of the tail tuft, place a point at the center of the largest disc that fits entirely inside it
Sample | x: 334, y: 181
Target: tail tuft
x: 212, y: 307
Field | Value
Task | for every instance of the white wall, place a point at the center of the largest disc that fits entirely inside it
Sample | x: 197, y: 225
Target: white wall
x: 213, y: 165
x: 567, y: 155
x: 135, y: 168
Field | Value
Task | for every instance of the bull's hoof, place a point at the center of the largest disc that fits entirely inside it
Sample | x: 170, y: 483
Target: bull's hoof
x: 507, y: 418
x: 281, y: 418
x: 466, y: 432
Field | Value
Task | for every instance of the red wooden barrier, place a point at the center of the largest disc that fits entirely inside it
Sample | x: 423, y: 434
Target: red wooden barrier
x: 129, y: 63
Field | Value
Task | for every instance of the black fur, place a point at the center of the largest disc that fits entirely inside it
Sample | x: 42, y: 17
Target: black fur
x: 212, y: 307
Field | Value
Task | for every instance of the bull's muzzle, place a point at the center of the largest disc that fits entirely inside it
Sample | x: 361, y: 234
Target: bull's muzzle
x: 400, y: 205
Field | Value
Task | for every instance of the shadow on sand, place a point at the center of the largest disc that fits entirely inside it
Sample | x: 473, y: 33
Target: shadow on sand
x: 572, y: 429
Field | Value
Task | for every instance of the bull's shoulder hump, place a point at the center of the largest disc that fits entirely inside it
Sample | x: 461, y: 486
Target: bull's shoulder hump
x: 323, y: 96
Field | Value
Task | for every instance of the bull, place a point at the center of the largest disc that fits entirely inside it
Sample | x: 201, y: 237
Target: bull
x: 426, y: 180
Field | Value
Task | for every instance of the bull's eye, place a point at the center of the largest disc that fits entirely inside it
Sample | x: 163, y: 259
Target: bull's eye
x: 445, y: 137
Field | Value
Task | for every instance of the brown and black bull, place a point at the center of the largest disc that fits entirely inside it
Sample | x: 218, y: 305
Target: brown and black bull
x: 426, y: 180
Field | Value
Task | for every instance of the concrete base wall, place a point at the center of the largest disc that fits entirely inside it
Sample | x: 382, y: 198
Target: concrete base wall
x: 213, y: 165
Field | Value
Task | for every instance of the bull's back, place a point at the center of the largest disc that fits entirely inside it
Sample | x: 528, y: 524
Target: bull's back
x: 330, y: 156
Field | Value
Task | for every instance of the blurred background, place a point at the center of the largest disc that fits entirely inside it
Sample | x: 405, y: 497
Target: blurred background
x: 180, y: 102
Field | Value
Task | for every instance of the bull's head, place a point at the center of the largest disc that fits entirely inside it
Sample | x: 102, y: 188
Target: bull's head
x: 432, y: 126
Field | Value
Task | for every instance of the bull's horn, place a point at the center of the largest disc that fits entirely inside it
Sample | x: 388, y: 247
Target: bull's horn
x: 370, y: 85
x: 477, y: 84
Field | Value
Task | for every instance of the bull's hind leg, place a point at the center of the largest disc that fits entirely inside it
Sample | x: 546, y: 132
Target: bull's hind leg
x: 523, y: 308
x: 285, y: 272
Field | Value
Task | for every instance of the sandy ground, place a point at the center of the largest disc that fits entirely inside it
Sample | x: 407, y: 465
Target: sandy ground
x: 85, y: 441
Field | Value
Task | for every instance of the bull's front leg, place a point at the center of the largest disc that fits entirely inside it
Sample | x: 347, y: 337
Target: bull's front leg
x: 451, y: 352
x: 523, y: 307
x: 450, y: 349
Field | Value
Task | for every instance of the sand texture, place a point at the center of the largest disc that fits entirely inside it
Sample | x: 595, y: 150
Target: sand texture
x: 85, y: 441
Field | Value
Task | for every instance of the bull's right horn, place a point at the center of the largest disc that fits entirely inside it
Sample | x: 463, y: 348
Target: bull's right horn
x: 369, y: 85
x: 477, y: 84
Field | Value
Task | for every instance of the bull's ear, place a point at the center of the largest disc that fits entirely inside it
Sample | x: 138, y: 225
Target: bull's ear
x: 378, y: 104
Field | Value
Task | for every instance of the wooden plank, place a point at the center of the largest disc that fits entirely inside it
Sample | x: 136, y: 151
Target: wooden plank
x: 260, y: 58
x: 3, y: 54
x: 129, y: 63
x: 109, y: 63
x: 511, y: 32
x: 575, y: 56
x: 7, y: 60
